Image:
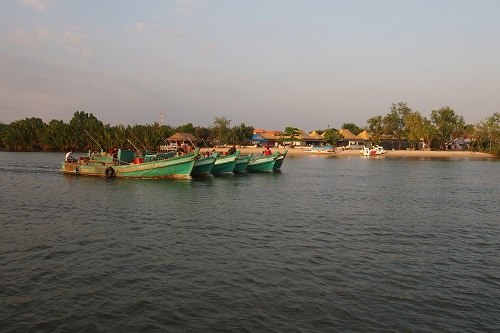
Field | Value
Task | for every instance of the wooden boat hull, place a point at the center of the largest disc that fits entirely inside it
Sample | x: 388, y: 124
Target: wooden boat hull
x: 242, y: 163
x: 175, y: 167
x: 225, y: 164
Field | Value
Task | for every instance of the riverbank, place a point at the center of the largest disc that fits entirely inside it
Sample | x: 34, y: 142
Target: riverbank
x: 392, y: 153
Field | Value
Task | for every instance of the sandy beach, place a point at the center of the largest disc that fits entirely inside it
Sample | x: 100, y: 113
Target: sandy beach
x: 390, y: 153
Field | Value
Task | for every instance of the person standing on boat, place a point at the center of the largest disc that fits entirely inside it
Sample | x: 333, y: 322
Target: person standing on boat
x: 69, y: 157
x: 114, y: 153
x: 267, y: 152
x: 231, y: 150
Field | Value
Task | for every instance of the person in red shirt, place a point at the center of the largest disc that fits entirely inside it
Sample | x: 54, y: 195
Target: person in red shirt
x: 267, y: 152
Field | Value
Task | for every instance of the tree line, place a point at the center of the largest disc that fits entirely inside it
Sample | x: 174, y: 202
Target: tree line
x: 84, y: 132
x: 444, y: 125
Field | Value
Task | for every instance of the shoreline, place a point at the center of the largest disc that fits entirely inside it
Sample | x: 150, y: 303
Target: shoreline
x: 298, y: 152
x: 389, y: 153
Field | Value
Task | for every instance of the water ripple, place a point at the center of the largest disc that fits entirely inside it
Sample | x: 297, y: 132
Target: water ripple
x: 328, y: 245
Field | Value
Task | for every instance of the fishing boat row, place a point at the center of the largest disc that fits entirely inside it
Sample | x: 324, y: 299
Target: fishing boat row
x: 126, y: 164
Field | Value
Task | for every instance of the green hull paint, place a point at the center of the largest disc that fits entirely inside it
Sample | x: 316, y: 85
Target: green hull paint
x: 279, y: 161
x: 203, y: 166
x: 175, y: 167
x: 242, y: 162
x: 262, y: 163
x: 225, y: 164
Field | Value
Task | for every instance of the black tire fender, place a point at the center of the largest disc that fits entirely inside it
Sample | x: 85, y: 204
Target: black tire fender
x: 110, y: 172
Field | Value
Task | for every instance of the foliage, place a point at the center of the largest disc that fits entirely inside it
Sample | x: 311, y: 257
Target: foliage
x: 85, y: 132
x: 447, y: 124
x: 220, y: 130
x: 188, y: 128
x: 395, y: 121
x: 487, y: 133
x: 415, y: 128
x: 290, y: 134
x: 204, y: 134
x: 428, y: 132
x: 25, y: 134
x: 240, y: 134
x: 3, y: 132
x: 332, y: 136
x: 376, y: 128
x: 353, y: 128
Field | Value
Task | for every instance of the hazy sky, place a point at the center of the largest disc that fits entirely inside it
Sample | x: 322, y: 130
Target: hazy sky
x: 266, y: 63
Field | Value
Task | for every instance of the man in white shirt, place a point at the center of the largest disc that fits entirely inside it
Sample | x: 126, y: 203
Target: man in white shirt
x: 69, y: 157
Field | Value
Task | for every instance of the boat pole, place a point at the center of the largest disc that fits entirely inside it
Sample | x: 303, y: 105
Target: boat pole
x: 208, y: 149
x: 137, y: 139
x: 137, y: 150
x: 93, y: 139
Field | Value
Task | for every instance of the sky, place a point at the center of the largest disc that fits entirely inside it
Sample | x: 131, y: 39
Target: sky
x: 310, y: 64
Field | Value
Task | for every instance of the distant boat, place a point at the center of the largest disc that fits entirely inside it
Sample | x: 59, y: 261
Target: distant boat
x: 242, y: 163
x: 262, y: 163
x: 279, y: 161
x: 374, y: 150
x: 203, y: 165
x: 225, y: 164
x: 319, y: 149
x: 127, y: 165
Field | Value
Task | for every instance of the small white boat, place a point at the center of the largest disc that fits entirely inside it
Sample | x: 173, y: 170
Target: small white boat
x: 374, y: 150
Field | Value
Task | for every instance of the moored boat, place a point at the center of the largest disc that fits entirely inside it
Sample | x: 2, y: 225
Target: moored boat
x: 319, y: 149
x: 264, y: 163
x: 225, y: 164
x: 279, y: 161
x: 128, y: 166
x: 242, y: 163
x: 203, y: 165
x: 375, y: 150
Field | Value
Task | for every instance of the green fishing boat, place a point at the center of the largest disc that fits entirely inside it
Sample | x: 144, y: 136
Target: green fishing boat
x: 241, y: 163
x: 203, y: 165
x: 279, y: 161
x: 262, y: 163
x: 225, y: 164
x: 127, y: 165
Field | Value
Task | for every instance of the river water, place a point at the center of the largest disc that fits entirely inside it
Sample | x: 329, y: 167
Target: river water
x: 329, y: 244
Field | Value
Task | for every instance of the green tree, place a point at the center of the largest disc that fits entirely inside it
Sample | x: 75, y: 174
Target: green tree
x: 84, y: 129
x: 447, y: 123
x: 353, y: 128
x: 395, y: 122
x: 332, y: 137
x: 56, y: 135
x: 487, y: 133
x: 376, y: 128
x: 428, y: 132
x: 204, y: 134
x: 240, y: 134
x: 221, y: 129
x: 188, y: 128
x: 291, y: 135
x: 25, y: 134
x: 414, y: 128
x: 3, y: 133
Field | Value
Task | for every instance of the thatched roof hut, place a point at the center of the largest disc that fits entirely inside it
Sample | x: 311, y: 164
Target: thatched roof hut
x: 183, y: 137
